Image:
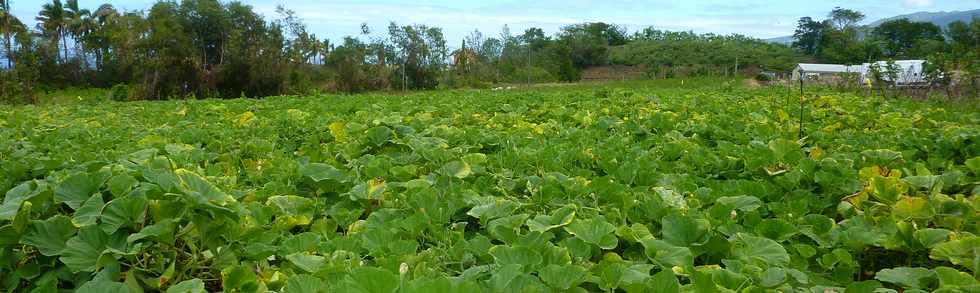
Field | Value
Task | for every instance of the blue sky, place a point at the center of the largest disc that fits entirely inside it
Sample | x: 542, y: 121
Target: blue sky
x: 757, y: 18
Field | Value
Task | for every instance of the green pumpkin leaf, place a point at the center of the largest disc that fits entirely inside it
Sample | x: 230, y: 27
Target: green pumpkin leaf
x: 506, y: 255
x: 962, y: 252
x: 120, y: 185
x: 458, y: 169
x: 869, y: 286
x: 199, y: 191
x: 952, y: 278
x: 594, y: 231
x: 162, y: 231
x: 189, y: 286
x: 373, y: 280
x: 84, y: 252
x: 562, y: 277
x: 665, y: 281
x: 240, y: 278
x: 773, y: 277
x: 75, y: 190
x: 307, y: 262
x: 303, y: 284
x: 88, y: 213
x: 685, y: 231
x: 123, y: 212
x: 49, y: 236
x: 380, y: 135
x: 320, y: 172
x: 743, y: 203
x: 666, y: 254
x: 16, y: 196
x: 100, y: 286
x: 557, y: 219
x: 760, y: 251
x: 911, y: 278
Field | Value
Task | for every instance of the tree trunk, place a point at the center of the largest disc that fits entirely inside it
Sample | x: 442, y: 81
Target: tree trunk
x: 64, y: 43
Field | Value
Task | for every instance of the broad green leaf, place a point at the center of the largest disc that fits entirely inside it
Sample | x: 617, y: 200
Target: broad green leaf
x: 869, y: 286
x: 743, y: 203
x: 614, y: 275
x: 307, y: 262
x: 930, y: 237
x: 84, y: 252
x: 16, y: 196
x: 963, y: 252
x: 304, y: 284
x: 562, y: 277
x: 162, y: 231
x: 189, y: 286
x: 912, y: 278
x: 75, y: 190
x: 200, y: 191
x: 913, y: 208
x: 371, y: 190
x: 239, y: 278
x: 120, y: 185
x: 773, y: 277
x: 685, y: 231
x: 103, y: 287
x: 761, y: 251
x: 665, y: 281
x: 88, y: 213
x: 49, y: 236
x: 776, y: 229
x: 558, y: 218
x: 671, y: 198
x: 379, y: 135
x: 506, y: 255
x: 952, y: 278
x: 493, y: 210
x: 666, y: 254
x: 320, y: 172
x: 123, y: 212
x: 594, y: 231
x: 291, y: 204
x: 458, y: 169
x: 373, y: 280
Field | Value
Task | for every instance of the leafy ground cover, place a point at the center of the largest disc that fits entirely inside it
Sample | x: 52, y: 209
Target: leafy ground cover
x: 637, y: 187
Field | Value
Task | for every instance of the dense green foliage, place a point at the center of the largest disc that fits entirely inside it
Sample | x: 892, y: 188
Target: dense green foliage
x: 209, y: 48
x: 672, y: 54
x: 640, y: 187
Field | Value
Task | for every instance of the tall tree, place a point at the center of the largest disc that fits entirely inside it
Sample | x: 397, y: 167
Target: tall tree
x: 843, y: 19
x: 9, y: 26
x: 808, y: 35
x: 900, y: 37
x: 52, y: 21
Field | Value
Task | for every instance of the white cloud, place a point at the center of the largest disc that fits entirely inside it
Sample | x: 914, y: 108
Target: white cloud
x: 918, y: 3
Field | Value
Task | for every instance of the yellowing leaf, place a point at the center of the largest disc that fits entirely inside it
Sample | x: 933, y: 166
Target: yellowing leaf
x: 337, y: 130
x: 246, y: 118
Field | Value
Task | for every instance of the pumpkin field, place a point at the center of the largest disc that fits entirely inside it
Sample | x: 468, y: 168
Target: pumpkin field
x: 653, y: 186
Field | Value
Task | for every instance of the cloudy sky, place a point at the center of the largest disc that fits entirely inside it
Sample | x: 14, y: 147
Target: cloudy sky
x: 758, y: 18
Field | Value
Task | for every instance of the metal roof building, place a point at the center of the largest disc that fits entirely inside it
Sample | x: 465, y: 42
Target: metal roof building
x: 909, y: 71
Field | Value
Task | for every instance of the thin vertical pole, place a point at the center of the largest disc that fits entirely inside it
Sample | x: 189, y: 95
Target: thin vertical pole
x: 528, y: 64
x: 802, y: 131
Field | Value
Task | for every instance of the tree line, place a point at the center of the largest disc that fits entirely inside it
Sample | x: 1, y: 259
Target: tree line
x: 210, y: 48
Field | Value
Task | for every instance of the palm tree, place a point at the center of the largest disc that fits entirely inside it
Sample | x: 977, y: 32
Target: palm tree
x: 7, y: 20
x: 51, y: 22
x: 79, y: 23
x: 10, y: 26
